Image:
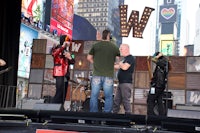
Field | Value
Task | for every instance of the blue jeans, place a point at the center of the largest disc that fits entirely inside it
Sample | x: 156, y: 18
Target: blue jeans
x: 97, y: 83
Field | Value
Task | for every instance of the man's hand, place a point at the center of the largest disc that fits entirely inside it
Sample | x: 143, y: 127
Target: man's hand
x: 2, y: 62
x: 90, y: 58
x: 68, y: 55
x: 65, y: 44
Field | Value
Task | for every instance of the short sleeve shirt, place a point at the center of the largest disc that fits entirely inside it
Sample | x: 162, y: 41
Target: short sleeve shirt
x: 125, y: 76
x: 104, y: 54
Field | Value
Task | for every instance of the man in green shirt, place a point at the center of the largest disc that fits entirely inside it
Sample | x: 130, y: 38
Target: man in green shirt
x: 102, y: 55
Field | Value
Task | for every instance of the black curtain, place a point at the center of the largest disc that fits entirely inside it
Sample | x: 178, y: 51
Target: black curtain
x: 10, y: 19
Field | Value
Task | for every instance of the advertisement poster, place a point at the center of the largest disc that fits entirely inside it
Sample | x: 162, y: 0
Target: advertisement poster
x: 193, y: 97
x: 33, y: 10
x: 167, y: 47
x: 62, y: 13
x: 193, y: 64
x: 27, y: 35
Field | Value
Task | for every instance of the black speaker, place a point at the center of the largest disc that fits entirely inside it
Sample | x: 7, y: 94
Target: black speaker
x: 47, y: 106
x: 168, y: 104
x: 167, y: 94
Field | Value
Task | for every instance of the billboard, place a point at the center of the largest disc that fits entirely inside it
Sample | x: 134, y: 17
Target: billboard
x: 33, y: 9
x: 167, y: 47
x: 168, y: 13
x: 62, y: 12
x: 27, y: 35
x: 167, y: 44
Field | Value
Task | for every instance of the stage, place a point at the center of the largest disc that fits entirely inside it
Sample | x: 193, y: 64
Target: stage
x: 23, y: 121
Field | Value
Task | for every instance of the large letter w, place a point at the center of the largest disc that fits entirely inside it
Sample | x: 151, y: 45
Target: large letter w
x: 138, y: 26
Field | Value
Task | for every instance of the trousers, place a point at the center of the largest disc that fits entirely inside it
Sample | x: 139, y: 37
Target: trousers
x: 154, y: 99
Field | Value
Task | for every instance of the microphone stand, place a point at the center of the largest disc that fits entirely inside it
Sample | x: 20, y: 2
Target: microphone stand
x: 150, y: 77
x: 166, y: 86
x: 78, y: 107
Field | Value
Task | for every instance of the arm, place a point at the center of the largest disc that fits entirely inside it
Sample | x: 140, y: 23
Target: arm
x: 90, y: 58
x: 162, y: 62
x: 69, y: 57
x: 72, y: 61
x: 117, y: 60
x: 123, y: 66
x: 57, y: 51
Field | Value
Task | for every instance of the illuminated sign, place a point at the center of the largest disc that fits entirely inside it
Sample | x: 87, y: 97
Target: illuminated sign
x: 167, y: 44
x: 138, y: 26
x: 60, y: 29
x: 32, y: 8
x: 27, y: 35
x: 168, y: 13
x: 167, y: 47
x: 62, y: 13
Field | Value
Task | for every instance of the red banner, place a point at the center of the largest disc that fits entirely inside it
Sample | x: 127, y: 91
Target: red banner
x: 53, y: 131
x: 60, y: 28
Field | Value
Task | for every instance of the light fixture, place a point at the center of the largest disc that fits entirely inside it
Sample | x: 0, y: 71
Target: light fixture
x: 80, y: 63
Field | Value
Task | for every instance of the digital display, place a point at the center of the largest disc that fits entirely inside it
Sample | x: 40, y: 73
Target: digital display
x: 62, y: 12
x: 27, y: 35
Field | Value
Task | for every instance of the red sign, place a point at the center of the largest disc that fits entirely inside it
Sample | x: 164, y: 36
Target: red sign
x: 53, y: 131
x: 62, y: 13
x: 60, y: 28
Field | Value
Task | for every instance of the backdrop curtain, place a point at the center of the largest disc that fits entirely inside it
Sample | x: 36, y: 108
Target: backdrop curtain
x: 10, y: 19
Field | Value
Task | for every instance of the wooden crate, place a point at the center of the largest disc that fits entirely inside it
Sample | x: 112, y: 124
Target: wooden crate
x: 176, y: 80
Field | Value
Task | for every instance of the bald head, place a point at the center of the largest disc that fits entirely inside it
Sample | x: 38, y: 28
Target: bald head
x: 124, y: 50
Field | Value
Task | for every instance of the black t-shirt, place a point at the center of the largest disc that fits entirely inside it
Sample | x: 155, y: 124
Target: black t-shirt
x: 125, y: 76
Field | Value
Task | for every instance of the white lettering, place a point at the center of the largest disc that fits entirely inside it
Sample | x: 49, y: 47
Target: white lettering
x: 75, y: 47
x: 62, y: 28
x: 195, y: 98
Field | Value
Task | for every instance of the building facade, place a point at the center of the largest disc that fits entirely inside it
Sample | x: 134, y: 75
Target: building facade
x: 168, y: 28
x: 197, y: 34
x: 102, y: 14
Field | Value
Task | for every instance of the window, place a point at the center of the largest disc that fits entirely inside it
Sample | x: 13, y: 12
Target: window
x: 169, y: 1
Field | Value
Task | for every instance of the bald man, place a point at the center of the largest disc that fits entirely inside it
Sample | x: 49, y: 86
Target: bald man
x: 2, y: 62
x: 125, y: 72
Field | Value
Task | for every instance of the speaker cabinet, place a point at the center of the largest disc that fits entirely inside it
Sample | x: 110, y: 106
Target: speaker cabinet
x: 168, y: 103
